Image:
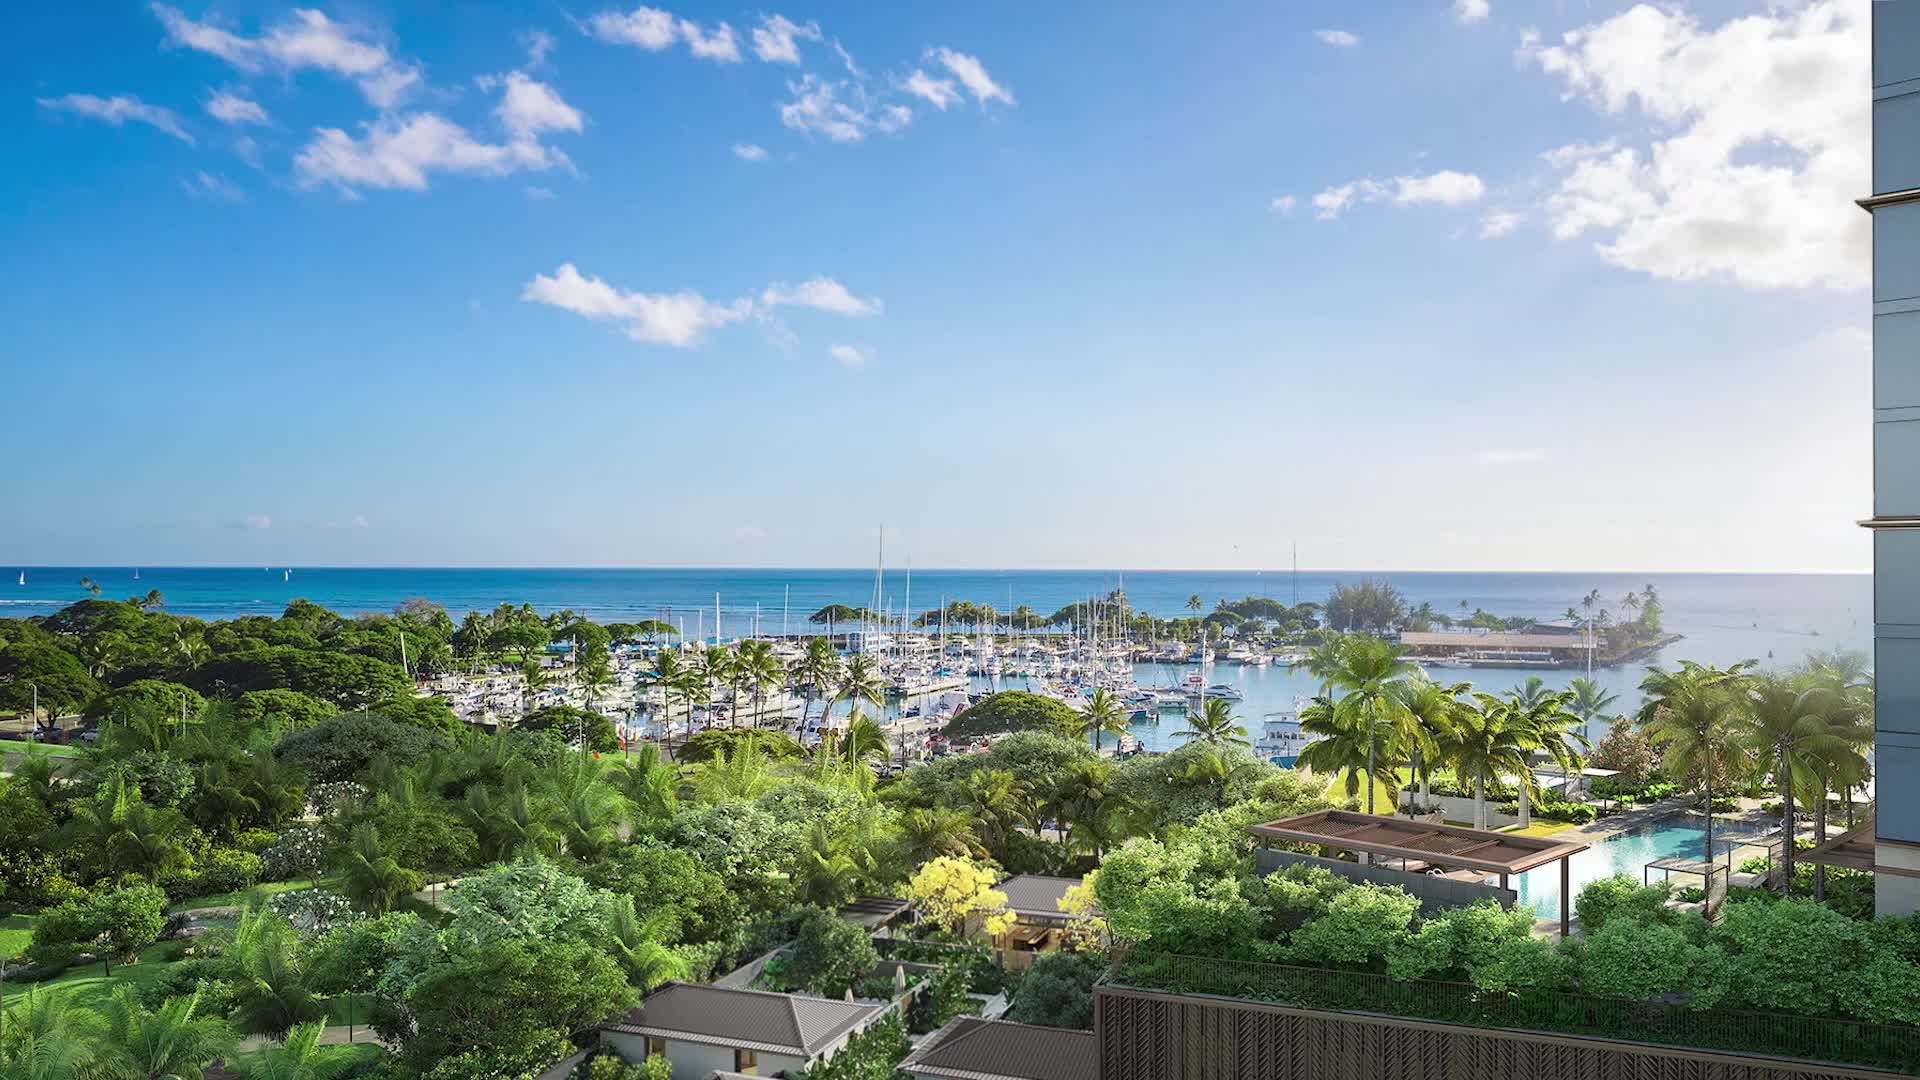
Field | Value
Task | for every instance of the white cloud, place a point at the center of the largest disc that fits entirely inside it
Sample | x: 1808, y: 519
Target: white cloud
x: 359, y: 522
x: 205, y: 185
x: 653, y: 29
x: 648, y: 28
x: 529, y: 107
x: 716, y: 44
x: 1283, y: 203
x: 256, y: 521
x: 233, y: 109
x: 818, y: 108
x: 679, y: 319
x: 823, y: 293
x: 1339, y: 39
x: 775, y: 40
x: 401, y: 152
x: 1470, y: 11
x: 749, y: 151
x: 1761, y: 142
x: 1444, y: 188
x: 1500, y: 223
x: 306, y: 39
x: 1562, y: 156
x: 538, y: 43
x: 852, y: 356
x: 940, y: 93
x: 972, y: 75
x: 119, y: 109
x: 536, y: 193
x: 1504, y: 456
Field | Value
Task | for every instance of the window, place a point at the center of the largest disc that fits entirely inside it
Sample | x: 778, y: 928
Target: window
x: 746, y: 1061
x: 656, y: 1046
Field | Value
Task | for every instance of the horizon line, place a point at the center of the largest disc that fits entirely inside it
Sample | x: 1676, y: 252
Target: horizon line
x: 1795, y: 572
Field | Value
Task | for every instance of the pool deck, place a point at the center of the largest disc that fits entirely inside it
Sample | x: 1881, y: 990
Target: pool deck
x: 1743, y: 823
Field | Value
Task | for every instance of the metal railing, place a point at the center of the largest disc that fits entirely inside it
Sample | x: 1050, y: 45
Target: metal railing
x: 1895, y: 1046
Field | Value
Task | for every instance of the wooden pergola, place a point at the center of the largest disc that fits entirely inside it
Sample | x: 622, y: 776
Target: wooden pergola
x: 1852, y: 850
x: 1451, y: 846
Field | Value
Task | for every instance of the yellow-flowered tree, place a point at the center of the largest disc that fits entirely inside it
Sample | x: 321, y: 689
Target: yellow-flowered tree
x: 1086, y: 930
x: 948, y: 891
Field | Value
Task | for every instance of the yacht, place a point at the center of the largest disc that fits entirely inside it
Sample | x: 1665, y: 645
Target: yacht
x: 1225, y: 692
x: 1200, y: 655
x: 1281, y: 739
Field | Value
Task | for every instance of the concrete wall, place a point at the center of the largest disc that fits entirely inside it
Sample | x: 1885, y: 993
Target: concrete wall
x: 1896, y: 450
x: 1435, y: 893
x: 1460, y: 808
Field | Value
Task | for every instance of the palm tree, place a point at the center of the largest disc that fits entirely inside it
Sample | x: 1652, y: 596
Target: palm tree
x: 172, y: 1042
x: 742, y: 774
x: 1553, y: 722
x: 1103, y: 713
x: 817, y: 669
x: 716, y: 668
x: 760, y: 667
x: 1785, y: 724
x: 1086, y: 802
x: 864, y: 739
x: 1345, y: 738
x: 89, y: 585
x: 1194, y: 602
x: 859, y: 681
x: 928, y: 832
x: 1691, y: 714
x: 1215, y: 724
x: 636, y: 943
x: 1531, y: 692
x: 1491, y: 738
x: 1425, y: 713
x: 43, y: 1036
x: 298, y: 1057
x: 536, y: 680
x: 1589, y: 701
x: 596, y: 675
x: 998, y: 801
x: 827, y: 873
x: 272, y: 989
x: 667, y: 669
x: 689, y: 685
x: 1366, y: 668
x: 372, y: 879
x: 647, y: 783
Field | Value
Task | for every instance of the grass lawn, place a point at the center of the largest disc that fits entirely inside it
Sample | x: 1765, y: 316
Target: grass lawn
x: 1385, y: 798
x: 87, y: 988
x: 15, y: 932
x: 332, y: 1059
x: 36, y: 749
x: 1541, y: 828
x: 239, y: 899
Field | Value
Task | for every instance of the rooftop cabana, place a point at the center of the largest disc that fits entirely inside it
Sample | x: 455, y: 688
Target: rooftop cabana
x: 872, y: 912
x: 1429, y: 845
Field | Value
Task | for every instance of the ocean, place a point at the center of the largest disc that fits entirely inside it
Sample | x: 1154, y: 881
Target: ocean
x: 1774, y: 618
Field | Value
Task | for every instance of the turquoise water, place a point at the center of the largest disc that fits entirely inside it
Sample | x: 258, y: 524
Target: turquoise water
x: 1628, y: 853
x: 1775, y: 618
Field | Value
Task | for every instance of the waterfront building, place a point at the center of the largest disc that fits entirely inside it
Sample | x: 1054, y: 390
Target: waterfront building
x: 1895, y: 205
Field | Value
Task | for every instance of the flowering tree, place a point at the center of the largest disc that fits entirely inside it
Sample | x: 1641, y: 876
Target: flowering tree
x: 1086, y: 930
x: 949, y: 890
x: 1628, y: 752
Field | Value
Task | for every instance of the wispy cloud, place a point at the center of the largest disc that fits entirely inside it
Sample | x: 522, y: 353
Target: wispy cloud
x: 232, y: 109
x: 306, y: 40
x: 1443, y: 188
x: 683, y: 319
x: 749, y: 151
x: 119, y: 109
x: 852, y: 356
x: 972, y: 75
x: 776, y: 40
x: 654, y: 30
x: 212, y: 186
x: 1339, y: 39
x: 1470, y: 11
x: 1283, y: 204
x: 1500, y: 223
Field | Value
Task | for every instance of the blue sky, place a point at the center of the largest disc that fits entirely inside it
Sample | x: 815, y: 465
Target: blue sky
x: 1448, y: 285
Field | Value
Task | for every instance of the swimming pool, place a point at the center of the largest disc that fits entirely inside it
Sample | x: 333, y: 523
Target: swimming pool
x: 1623, y: 853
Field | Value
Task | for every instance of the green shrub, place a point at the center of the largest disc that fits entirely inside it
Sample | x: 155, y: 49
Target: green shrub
x: 226, y: 870
x: 1605, y: 899
x: 829, y: 954
x: 1058, y: 991
x: 1011, y: 710
x: 870, y: 1055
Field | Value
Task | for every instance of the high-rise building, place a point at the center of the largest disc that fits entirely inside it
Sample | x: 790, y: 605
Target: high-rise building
x: 1895, y: 204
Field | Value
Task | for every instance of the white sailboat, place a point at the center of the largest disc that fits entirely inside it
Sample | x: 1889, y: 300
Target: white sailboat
x: 23, y: 577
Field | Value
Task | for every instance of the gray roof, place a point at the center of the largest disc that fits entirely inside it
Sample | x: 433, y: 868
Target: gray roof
x: 1036, y: 894
x: 970, y: 1048
x: 745, y: 1019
